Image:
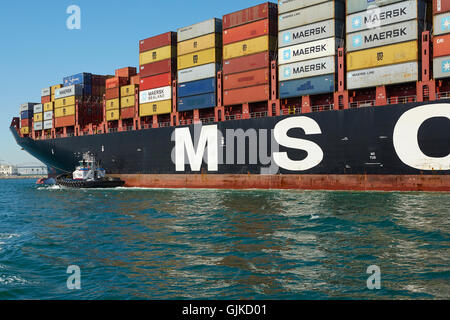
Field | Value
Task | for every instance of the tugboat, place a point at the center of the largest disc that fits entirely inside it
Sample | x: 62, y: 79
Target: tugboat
x: 88, y: 174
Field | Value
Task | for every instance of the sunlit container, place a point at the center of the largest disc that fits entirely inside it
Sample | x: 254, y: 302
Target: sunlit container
x: 126, y: 72
x: 193, y: 88
x: 247, y: 63
x: 46, y: 99
x: 129, y: 90
x: 309, y: 33
x: 441, y: 67
x: 163, y: 66
x: 27, y: 106
x: 190, y: 60
x: 246, y: 95
x: 363, y: 5
x: 67, y: 121
x: 127, y: 102
x: 391, y: 34
x: 64, y: 102
x: 397, y: 73
x: 48, y: 106
x: 25, y: 123
x: 291, y: 5
x: 162, y: 40
x: 158, y: 54
x: 80, y: 78
x: 25, y: 130
x: 48, y: 115
x: 213, y: 40
x: 74, y: 90
x: 54, y: 88
x: 249, y: 31
x: 112, y: 115
x: 246, y: 79
x: 48, y: 124
x: 441, y: 46
x: 441, y: 6
x: 46, y: 92
x: 135, y: 79
x: 158, y: 81
x: 201, y: 101
x: 324, y: 11
x: 112, y: 93
x: 38, y: 126
x: 113, y: 104
x: 64, y: 111
x: 395, y: 13
x: 38, y: 108
x: 198, y: 73
x: 306, y: 51
x: 126, y: 113
x: 200, y: 29
x: 306, y: 86
x: 155, y: 108
x: 248, y: 47
x: 115, y: 82
x: 383, y: 56
x: 441, y: 24
x: 38, y: 117
x: 155, y: 95
x: 307, y: 69
x: 263, y: 11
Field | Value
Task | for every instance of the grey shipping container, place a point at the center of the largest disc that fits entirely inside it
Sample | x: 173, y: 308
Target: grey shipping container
x: 310, y: 50
x: 48, y: 124
x: 362, y: 5
x: 394, y: 33
x: 48, y: 115
x: 74, y: 90
x: 198, y: 73
x: 441, y: 67
x: 38, y: 126
x: 312, y: 32
x: 27, y: 106
x: 37, y: 108
x: 200, y: 29
x: 309, y: 15
x: 306, y: 69
x: 291, y: 5
x: 46, y: 92
x: 441, y: 24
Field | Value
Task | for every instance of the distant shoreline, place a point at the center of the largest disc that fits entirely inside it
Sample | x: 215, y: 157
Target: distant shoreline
x: 21, y: 177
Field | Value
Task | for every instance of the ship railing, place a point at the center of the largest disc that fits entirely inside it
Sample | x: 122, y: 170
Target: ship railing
x: 237, y: 116
x: 207, y: 120
x: 128, y: 128
x: 261, y: 114
x: 323, y: 107
x: 285, y: 112
x: 146, y: 126
x: 111, y: 130
x: 443, y: 95
x: 400, y: 100
x: 163, y: 124
x: 71, y: 134
x: 185, y: 122
x: 361, y: 104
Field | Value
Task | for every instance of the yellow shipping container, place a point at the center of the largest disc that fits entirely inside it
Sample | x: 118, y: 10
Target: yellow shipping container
x: 199, y: 58
x: 113, y: 104
x: 127, y: 91
x: 53, y: 88
x: 38, y: 117
x: 53, y: 97
x: 152, y: 108
x: 127, y: 102
x: 213, y: 40
x: 48, y: 106
x: 112, y: 115
x: 25, y: 130
x: 159, y: 54
x: 64, y: 111
x: 383, y: 56
x: 247, y: 47
x: 63, y: 102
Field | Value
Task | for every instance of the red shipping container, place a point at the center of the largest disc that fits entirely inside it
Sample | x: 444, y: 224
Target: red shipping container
x: 162, y: 40
x: 152, y: 69
x: 126, y: 72
x: 135, y: 79
x: 441, y: 6
x: 247, y: 63
x: 25, y: 123
x: 246, y: 79
x: 112, y: 93
x: 67, y: 121
x: 246, y: 95
x: 259, y: 12
x: 46, y: 99
x: 116, y: 82
x: 127, y: 113
x: 441, y: 46
x: 249, y: 31
x: 161, y: 80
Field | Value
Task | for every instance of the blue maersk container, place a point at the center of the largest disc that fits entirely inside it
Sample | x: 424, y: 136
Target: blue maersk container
x: 201, y: 101
x: 80, y: 78
x: 307, y: 86
x: 197, y: 87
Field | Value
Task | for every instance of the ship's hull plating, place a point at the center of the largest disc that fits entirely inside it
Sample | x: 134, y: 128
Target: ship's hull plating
x: 370, y: 148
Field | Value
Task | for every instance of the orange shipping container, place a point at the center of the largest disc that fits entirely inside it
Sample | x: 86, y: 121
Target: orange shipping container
x: 246, y: 79
x: 127, y: 113
x: 135, y: 79
x: 441, y: 46
x: 116, y: 82
x: 246, y: 95
x: 251, y: 30
x: 67, y: 121
x: 46, y: 99
x: 126, y: 72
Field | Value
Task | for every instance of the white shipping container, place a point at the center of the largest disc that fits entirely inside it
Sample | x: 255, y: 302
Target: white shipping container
x: 325, y: 11
x: 38, y: 126
x: 46, y: 92
x: 200, y: 29
x: 441, y: 24
x: 154, y: 95
x: 27, y: 106
x: 74, y: 90
x: 312, y: 32
x: 441, y: 67
x: 397, y: 73
x: 394, y: 33
x: 48, y: 124
x: 48, y: 115
x: 382, y: 16
x: 37, y: 108
x: 362, y: 5
x: 306, y: 69
x: 290, y: 5
x: 310, y: 50
x: 198, y: 73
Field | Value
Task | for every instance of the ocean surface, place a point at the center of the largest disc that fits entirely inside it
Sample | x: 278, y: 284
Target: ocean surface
x: 221, y: 244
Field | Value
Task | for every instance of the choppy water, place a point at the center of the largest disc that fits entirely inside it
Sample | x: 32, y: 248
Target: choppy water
x: 216, y: 244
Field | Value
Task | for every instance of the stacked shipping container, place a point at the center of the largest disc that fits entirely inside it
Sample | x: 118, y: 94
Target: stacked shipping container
x: 441, y: 40
x: 199, y: 52
x: 38, y: 117
x: 157, y: 68
x: 46, y: 100
x: 128, y: 101
x: 249, y: 43
x: 26, y: 116
x: 310, y: 33
x: 383, y: 43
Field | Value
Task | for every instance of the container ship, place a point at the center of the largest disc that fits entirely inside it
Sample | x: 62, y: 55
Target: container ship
x: 299, y: 94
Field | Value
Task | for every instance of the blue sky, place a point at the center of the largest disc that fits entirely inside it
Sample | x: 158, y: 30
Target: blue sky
x: 38, y: 50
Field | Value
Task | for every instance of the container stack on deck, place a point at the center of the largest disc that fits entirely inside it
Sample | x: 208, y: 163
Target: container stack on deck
x: 199, y: 52
x: 249, y: 39
x: 38, y: 117
x: 441, y: 41
x: 26, y: 116
x: 310, y: 33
